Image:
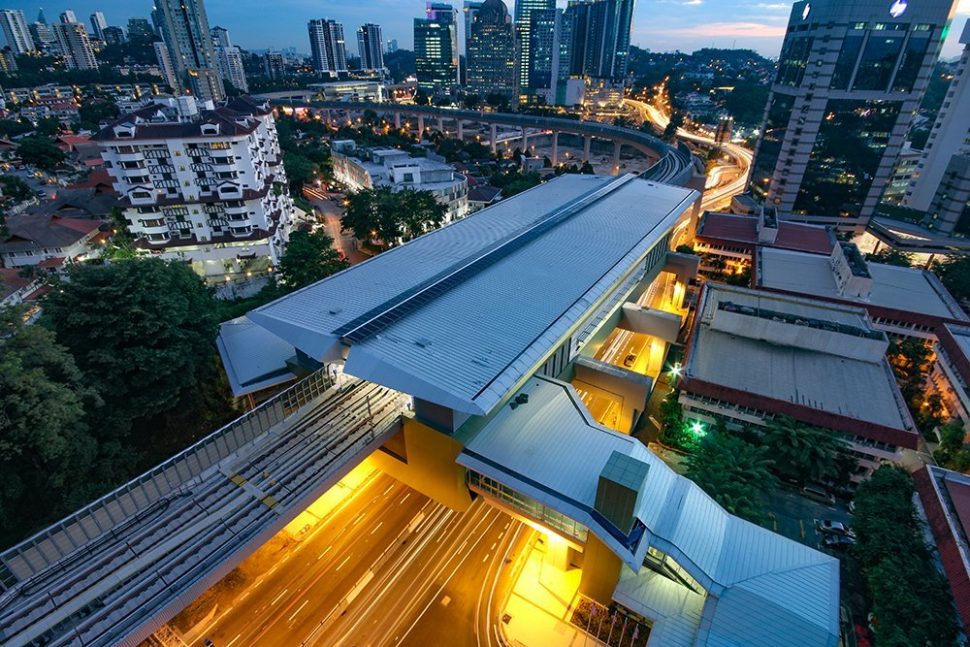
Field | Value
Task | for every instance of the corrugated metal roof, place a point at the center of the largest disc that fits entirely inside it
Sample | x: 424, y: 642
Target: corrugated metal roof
x: 253, y: 357
x: 474, y: 339
x: 551, y: 450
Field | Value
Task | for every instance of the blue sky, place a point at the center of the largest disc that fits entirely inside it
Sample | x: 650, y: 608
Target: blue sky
x: 660, y: 25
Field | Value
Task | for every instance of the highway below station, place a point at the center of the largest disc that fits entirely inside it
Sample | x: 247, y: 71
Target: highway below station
x: 387, y: 566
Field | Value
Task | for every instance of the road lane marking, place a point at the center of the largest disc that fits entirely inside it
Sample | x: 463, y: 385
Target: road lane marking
x: 494, y: 543
x: 298, y: 609
x: 346, y: 559
x: 486, y: 558
x: 229, y: 644
x: 277, y: 598
x: 389, y: 488
x: 325, y: 551
x: 358, y: 519
x: 405, y: 498
x: 377, y: 527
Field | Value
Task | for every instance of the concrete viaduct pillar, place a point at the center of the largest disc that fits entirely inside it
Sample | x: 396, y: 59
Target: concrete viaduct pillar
x: 441, y: 124
x: 525, y: 142
x: 492, y: 141
x: 587, y: 141
x: 397, y: 121
x: 461, y: 129
x: 555, y: 147
x: 616, y: 158
x: 420, y: 127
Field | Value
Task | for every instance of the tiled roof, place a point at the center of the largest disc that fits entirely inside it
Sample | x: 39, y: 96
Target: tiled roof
x: 744, y: 229
x: 39, y: 231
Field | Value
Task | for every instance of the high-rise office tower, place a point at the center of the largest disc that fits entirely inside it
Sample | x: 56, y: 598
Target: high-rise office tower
x: 849, y: 80
x: 230, y: 59
x: 68, y: 16
x: 185, y: 29
x: 273, y: 65
x: 327, y: 48
x: 165, y: 64
x: 98, y: 23
x: 40, y: 16
x: 75, y: 46
x: 525, y: 59
x: 941, y: 180
x: 601, y: 38
x: 42, y: 35
x: 369, y: 40
x: 16, y: 36
x: 114, y: 35
x: 436, y: 48
x: 141, y: 29
x: 470, y: 10
x: 490, y: 54
x: 391, y: 46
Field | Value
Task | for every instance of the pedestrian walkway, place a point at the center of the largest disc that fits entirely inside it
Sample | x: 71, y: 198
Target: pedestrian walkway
x: 540, y: 604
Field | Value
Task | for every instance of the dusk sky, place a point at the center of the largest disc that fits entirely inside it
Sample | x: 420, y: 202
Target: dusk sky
x: 660, y: 25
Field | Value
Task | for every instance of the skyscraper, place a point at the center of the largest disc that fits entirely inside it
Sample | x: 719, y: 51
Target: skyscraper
x: 327, y: 48
x: 185, y: 29
x: 75, y: 46
x: 941, y: 181
x: 165, y: 64
x: 98, y: 23
x: 525, y: 58
x: 114, y: 35
x: 230, y: 59
x: 141, y: 29
x: 42, y: 35
x: 68, y: 16
x: 436, y: 48
x: 273, y: 65
x: 15, y: 33
x: 369, y: 44
x: 469, y: 10
x: 849, y: 80
x: 601, y: 38
x: 490, y: 54
x: 391, y: 46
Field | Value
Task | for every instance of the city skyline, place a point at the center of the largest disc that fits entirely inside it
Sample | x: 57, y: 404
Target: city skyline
x: 658, y: 25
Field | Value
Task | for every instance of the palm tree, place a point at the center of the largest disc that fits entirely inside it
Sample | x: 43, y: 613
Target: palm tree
x: 802, y: 451
x: 734, y: 473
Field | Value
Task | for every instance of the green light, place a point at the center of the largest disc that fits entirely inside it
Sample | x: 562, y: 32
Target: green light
x: 697, y: 428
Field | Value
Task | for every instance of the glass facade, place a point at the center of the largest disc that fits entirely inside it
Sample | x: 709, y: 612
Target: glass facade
x: 877, y: 63
x: 794, y: 58
x: 775, y: 127
x: 529, y: 507
x: 661, y: 562
x: 912, y: 60
x: 847, y: 152
x: 845, y: 65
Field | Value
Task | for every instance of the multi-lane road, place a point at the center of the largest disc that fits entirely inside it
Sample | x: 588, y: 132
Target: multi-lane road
x: 388, y: 566
x: 727, y: 180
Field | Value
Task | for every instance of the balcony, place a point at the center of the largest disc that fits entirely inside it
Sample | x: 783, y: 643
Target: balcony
x: 158, y: 239
x: 241, y: 232
x: 202, y: 167
x: 162, y: 168
x: 135, y: 156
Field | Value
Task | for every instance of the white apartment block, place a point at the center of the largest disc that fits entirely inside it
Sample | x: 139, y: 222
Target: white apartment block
x: 202, y: 185
x: 75, y: 46
x: 391, y: 167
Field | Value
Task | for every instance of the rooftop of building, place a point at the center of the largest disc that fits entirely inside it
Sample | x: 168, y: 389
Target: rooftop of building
x: 253, y: 358
x: 765, y: 589
x: 11, y: 281
x: 795, y: 355
x: 733, y: 228
x: 902, y: 289
x: 945, y: 495
x: 460, y: 315
x: 182, y: 117
x: 28, y: 232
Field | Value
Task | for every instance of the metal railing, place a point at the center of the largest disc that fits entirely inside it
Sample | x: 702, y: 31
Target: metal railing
x: 155, y: 487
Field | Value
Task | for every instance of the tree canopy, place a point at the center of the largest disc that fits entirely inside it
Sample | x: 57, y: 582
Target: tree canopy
x: 389, y: 216
x: 891, y: 256
x: 139, y: 330
x: 309, y: 257
x: 46, y: 449
x: 911, y: 601
x: 41, y: 152
x: 734, y: 472
x: 954, y: 272
x: 803, y: 452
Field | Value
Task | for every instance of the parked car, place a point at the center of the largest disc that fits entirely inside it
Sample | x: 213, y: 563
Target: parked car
x: 818, y: 493
x: 629, y: 360
x: 832, y: 527
x: 837, y: 542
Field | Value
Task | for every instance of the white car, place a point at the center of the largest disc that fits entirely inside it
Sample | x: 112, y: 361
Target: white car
x: 831, y: 527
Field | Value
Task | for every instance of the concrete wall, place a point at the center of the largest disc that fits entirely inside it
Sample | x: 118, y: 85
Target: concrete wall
x: 429, y: 466
x: 633, y: 388
x: 601, y: 571
x: 657, y: 323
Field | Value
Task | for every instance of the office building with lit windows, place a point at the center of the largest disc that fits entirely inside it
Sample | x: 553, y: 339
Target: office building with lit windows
x: 529, y: 63
x: 328, y: 51
x: 370, y: 47
x: 850, y: 77
x: 185, y: 30
x: 490, y: 50
x: 436, y: 49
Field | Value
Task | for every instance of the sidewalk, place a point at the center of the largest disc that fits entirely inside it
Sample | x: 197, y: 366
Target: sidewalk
x: 540, y: 605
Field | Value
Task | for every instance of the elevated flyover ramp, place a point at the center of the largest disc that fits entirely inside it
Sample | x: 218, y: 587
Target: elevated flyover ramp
x: 116, y: 570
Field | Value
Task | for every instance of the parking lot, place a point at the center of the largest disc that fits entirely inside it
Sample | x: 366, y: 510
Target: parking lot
x: 794, y: 515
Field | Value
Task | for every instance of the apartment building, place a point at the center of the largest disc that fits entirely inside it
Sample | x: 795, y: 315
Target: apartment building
x: 201, y: 184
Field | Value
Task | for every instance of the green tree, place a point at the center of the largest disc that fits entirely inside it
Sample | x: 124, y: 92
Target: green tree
x: 387, y: 215
x: 676, y: 121
x: 41, y: 152
x: 803, y: 452
x: 498, y: 101
x: 299, y: 169
x: 93, y: 112
x: 734, y: 473
x: 954, y: 272
x: 140, y: 331
x: 953, y: 451
x: 891, y: 256
x: 309, y: 257
x: 911, y: 601
x: 46, y: 450
x: 14, y: 187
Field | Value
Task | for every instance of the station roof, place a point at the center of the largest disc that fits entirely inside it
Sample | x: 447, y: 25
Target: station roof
x: 253, y: 357
x: 766, y: 589
x: 811, y: 354
x: 903, y: 289
x: 460, y: 315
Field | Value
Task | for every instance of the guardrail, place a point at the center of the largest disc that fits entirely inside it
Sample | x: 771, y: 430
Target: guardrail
x: 80, y: 532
